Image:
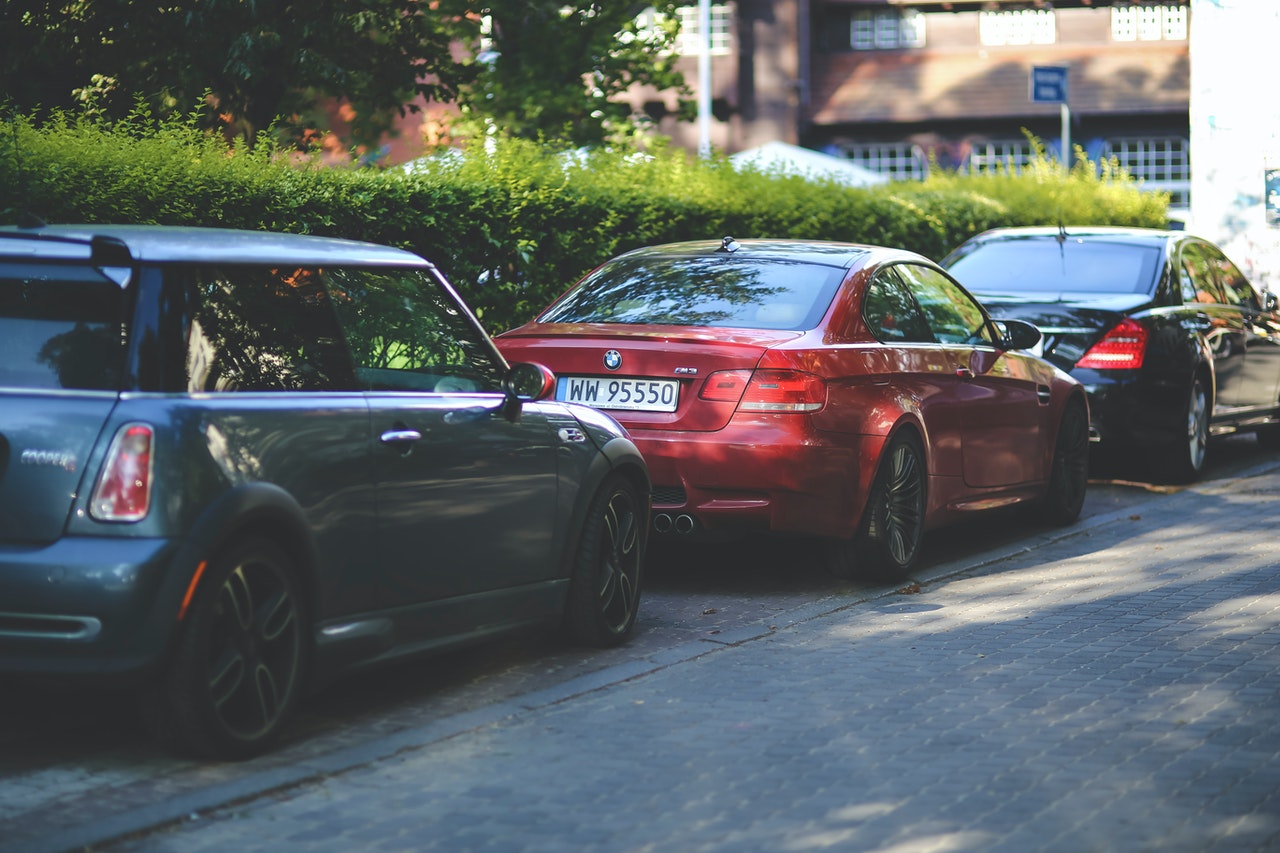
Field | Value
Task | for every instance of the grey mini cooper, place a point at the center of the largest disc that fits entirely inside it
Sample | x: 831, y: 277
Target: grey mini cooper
x: 234, y: 465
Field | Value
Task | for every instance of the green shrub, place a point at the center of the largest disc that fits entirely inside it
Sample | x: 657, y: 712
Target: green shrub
x: 514, y: 226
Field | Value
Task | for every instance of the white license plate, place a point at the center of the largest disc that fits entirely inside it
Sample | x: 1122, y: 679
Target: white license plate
x: 639, y: 395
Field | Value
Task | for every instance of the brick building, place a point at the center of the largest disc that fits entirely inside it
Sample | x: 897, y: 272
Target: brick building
x: 897, y: 84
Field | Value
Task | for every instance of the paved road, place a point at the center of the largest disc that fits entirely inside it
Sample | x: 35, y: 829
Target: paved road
x: 1113, y: 688
x: 750, y: 664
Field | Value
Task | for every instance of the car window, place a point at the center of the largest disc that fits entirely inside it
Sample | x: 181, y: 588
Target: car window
x: 1235, y: 287
x: 61, y: 326
x: 249, y: 328
x: 953, y: 315
x: 1198, y: 277
x: 891, y: 313
x: 722, y: 292
x: 406, y: 332
x: 1048, y: 265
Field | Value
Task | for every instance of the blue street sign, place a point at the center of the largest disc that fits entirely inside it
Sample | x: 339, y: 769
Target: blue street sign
x: 1048, y: 84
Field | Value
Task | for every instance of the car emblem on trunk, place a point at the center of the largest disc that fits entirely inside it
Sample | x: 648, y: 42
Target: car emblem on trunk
x: 613, y: 359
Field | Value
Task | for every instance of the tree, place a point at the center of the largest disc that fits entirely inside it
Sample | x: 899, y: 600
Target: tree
x: 257, y: 60
x: 552, y: 70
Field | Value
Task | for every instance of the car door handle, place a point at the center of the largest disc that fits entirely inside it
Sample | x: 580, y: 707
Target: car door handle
x: 400, y: 436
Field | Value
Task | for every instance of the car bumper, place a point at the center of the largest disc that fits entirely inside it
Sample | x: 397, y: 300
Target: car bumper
x: 1133, y: 411
x: 756, y: 478
x: 83, y: 606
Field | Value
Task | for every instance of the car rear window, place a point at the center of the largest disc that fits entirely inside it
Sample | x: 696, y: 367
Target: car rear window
x: 61, y: 327
x: 738, y: 293
x: 1049, y: 266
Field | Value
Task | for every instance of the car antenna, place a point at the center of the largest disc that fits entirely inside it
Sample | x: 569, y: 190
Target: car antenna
x: 728, y: 244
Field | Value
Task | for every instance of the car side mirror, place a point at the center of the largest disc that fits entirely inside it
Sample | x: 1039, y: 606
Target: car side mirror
x: 527, y: 382
x: 1270, y: 301
x: 1018, y: 334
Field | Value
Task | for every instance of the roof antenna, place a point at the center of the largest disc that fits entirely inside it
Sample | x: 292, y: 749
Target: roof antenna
x: 728, y: 244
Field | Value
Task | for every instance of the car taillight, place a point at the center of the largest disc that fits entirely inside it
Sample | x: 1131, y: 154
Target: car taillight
x: 766, y: 390
x: 123, y: 492
x: 1122, y: 348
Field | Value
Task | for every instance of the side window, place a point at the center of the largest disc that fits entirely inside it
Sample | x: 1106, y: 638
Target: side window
x: 406, y: 332
x: 257, y: 329
x: 1199, y: 278
x: 891, y: 313
x: 953, y: 315
x: 1235, y: 287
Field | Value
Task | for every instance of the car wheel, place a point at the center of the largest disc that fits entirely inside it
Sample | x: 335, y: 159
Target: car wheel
x: 1069, y: 476
x: 604, y: 592
x: 236, y: 675
x: 1187, y: 460
x: 888, y: 542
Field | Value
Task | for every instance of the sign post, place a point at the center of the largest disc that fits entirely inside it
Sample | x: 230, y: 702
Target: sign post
x: 1049, y: 86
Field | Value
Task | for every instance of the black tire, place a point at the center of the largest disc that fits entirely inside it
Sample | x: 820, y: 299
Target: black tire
x: 888, y: 541
x: 1268, y: 437
x: 236, y: 676
x: 604, y: 592
x: 1184, y: 461
x: 1069, y: 476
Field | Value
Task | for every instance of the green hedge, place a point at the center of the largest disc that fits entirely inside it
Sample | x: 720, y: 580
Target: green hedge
x: 514, y: 226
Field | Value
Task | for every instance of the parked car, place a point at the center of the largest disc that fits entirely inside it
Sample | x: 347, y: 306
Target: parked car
x: 237, y: 464
x: 851, y: 393
x: 1169, y: 338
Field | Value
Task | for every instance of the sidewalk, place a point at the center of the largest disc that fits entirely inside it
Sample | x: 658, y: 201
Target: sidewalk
x: 1113, y: 689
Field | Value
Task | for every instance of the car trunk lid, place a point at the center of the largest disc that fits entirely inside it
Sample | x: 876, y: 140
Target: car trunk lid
x: 607, y: 366
x: 1070, y: 323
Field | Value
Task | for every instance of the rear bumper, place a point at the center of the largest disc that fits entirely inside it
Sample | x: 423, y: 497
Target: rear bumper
x: 98, y: 608
x: 757, y: 478
x: 1127, y: 410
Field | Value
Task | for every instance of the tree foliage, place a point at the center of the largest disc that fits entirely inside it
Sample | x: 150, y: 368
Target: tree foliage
x: 258, y: 61
x: 550, y: 70
x: 535, y: 69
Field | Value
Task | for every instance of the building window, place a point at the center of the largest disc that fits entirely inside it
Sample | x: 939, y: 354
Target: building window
x: 886, y: 29
x: 1162, y: 163
x: 689, y: 42
x: 899, y: 161
x: 1149, y: 23
x: 999, y: 156
x: 1017, y: 26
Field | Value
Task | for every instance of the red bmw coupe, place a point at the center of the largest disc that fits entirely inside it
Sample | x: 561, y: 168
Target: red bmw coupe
x: 849, y: 392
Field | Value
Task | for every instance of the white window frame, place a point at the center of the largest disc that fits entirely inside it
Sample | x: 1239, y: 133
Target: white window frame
x: 1167, y: 22
x: 1007, y: 27
x: 999, y: 155
x: 689, y: 42
x: 891, y: 29
x: 1161, y: 163
x: 896, y: 160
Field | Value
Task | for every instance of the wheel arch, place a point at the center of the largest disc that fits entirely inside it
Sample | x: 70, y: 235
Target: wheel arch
x: 254, y: 509
x: 618, y: 455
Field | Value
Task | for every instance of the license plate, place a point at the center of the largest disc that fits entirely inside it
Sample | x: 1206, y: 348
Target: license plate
x: 638, y: 395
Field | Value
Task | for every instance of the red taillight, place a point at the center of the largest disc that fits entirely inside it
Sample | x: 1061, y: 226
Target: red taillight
x: 123, y: 492
x: 1122, y: 348
x: 766, y: 390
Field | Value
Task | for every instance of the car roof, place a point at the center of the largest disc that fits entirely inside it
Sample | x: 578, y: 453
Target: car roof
x: 183, y: 244
x: 827, y: 253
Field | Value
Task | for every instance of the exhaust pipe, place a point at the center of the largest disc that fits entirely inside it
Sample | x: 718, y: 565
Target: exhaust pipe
x: 662, y: 523
x: 684, y: 524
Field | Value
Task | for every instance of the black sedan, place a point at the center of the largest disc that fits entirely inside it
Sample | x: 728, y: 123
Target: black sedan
x: 1169, y: 338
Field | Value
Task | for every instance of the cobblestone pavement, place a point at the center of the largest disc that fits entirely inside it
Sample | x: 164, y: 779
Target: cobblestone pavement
x: 1113, y: 690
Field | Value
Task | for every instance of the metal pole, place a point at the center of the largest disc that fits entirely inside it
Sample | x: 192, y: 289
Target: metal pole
x: 704, y: 79
x: 1066, y: 136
